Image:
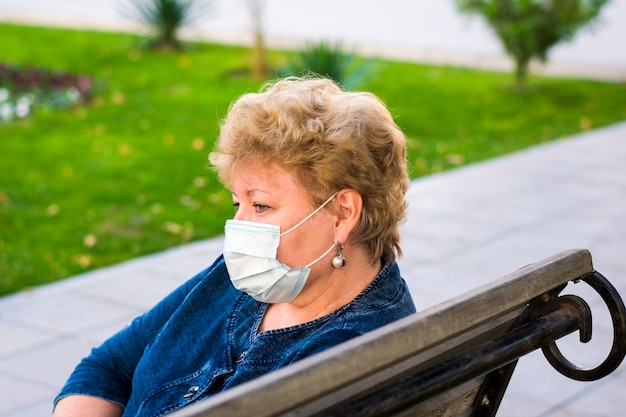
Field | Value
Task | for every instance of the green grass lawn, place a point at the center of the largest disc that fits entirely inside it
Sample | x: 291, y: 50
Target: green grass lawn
x: 127, y: 175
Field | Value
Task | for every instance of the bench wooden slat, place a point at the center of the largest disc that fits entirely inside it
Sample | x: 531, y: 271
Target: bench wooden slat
x: 463, y: 362
x: 342, y: 368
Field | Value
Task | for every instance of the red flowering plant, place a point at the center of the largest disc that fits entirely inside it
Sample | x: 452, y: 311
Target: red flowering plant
x: 23, y: 89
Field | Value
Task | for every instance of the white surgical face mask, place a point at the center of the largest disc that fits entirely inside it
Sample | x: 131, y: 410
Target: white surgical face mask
x: 250, y: 256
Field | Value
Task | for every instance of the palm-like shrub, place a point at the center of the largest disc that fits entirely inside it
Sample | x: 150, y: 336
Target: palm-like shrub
x: 329, y: 61
x: 167, y: 17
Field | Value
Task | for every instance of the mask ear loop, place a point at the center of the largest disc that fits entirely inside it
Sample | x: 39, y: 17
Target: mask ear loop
x: 309, y: 216
x: 320, y: 258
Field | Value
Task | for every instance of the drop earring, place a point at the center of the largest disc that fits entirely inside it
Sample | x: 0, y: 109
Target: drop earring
x: 339, y: 260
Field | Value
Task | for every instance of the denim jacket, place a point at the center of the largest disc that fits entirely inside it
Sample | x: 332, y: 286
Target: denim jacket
x: 203, y: 338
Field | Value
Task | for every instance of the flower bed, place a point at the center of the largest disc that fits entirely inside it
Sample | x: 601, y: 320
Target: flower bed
x: 23, y: 89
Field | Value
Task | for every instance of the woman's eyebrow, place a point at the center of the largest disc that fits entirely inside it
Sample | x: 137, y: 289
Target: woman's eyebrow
x: 256, y: 190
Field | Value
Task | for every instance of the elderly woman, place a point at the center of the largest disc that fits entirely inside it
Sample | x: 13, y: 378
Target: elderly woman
x: 318, y: 178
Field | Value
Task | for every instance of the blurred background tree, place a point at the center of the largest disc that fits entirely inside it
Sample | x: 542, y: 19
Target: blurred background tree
x: 167, y: 17
x: 528, y: 29
x: 259, y: 65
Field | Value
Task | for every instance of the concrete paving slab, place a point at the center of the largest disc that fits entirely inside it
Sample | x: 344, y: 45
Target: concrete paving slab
x: 18, y: 396
x: 18, y: 337
x: 34, y: 408
x: 605, y: 398
x: 541, y: 391
x: 63, y: 312
x: 50, y: 364
x: 138, y: 292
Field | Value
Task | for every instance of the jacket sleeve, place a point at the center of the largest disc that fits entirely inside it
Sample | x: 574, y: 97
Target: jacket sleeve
x: 107, y: 372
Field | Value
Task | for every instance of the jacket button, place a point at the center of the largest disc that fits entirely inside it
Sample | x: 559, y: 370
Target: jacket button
x: 191, y: 391
x: 241, y: 357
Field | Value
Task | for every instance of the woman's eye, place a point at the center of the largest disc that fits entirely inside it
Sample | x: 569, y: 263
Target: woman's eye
x: 259, y: 207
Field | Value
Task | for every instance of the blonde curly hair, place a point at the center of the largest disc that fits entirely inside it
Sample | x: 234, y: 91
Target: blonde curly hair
x: 331, y: 139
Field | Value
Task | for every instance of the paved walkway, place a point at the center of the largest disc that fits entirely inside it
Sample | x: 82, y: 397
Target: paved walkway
x: 465, y: 228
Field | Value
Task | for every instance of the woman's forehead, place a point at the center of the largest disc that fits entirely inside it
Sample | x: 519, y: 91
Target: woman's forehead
x: 269, y: 178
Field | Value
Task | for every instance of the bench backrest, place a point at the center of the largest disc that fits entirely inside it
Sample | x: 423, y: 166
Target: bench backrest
x: 436, y: 362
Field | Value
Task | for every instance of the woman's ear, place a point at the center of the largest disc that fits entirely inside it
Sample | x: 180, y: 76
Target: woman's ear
x: 350, y: 206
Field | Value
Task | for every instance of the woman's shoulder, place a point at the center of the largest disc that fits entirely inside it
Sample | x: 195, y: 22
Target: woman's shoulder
x: 212, y: 274
x: 385, y: 300
x: 213, y: 279
x: 388, y: 291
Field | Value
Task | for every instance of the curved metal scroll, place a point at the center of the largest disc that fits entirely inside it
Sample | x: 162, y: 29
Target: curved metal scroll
x: 618, y: 316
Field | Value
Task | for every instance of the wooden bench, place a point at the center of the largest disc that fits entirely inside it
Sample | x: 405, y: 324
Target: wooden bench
x: 454, y: 359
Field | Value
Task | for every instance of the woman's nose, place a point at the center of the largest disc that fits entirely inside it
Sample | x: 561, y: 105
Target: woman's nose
x: 242, y: 214
x: 238, y: 215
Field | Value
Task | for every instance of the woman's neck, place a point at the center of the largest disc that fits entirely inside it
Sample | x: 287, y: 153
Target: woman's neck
x: 327, y: 289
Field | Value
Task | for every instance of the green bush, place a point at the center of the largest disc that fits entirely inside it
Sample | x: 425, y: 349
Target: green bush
x: 528, y: 29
